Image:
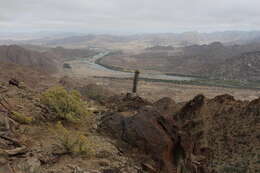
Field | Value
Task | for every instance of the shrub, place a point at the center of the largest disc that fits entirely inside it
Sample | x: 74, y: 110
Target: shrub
x: 73, y: 142
x: 21, y: 118
x: 66, y: 65
x: 65, y: 105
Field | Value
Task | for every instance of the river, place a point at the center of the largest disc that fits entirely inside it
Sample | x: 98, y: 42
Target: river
x: 90, y: 63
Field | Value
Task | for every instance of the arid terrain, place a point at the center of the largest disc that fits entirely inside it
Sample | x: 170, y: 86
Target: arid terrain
x: 66, y: 104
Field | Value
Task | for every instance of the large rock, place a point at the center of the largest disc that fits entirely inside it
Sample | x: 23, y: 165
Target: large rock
x: 148, y: 131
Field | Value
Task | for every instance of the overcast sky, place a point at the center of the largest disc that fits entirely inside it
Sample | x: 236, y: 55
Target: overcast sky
x: 129, y: 16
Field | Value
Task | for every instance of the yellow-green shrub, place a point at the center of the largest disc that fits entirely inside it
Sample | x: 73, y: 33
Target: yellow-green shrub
x: 74, y: 142
x: 65, y: 105
x: 21, y: 118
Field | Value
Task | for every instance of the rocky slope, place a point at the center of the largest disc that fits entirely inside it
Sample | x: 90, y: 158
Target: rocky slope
x: 31, y: 141
x: 123, y: 133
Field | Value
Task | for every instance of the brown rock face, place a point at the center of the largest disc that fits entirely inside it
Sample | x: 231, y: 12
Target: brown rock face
x: 148, y: 131
x: 217, y: 135
x: 166, y: 106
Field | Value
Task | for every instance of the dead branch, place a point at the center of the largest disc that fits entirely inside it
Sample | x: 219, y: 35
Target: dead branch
x: 14, y: 152
x: 8, y: 107
x: 14, y: 141
x: 7, y: 102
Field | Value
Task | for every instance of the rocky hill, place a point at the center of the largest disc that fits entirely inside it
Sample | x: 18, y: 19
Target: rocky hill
x: 244, y: 67
x: 45, y: 59
x: 214, y: 60
x: 65, y: 54
x: 18, y: 55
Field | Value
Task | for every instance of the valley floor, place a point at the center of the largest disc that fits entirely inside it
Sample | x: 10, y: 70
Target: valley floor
x: 154, y: 90
x: 180, y: 93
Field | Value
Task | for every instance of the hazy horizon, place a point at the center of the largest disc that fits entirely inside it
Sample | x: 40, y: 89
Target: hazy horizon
x: 55, y: 32
x: 129, y: 17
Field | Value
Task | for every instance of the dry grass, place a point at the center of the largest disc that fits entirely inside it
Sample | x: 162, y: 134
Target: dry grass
x: 73, y: 142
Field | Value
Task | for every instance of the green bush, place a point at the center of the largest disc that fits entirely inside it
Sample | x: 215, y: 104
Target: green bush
x: 65, y: 105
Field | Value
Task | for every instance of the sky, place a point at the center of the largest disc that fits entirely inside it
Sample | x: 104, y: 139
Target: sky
x: 129, y: 16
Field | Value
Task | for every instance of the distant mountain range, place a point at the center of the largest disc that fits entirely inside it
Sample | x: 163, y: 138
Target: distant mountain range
x: 138, y: 40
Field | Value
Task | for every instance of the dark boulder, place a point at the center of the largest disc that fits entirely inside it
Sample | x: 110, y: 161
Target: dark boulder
x: 14, y: 82
x: 148, y: 131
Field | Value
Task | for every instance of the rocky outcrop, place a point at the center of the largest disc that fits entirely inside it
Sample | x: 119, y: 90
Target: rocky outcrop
x: 148, y: 131
x: 204, y: 135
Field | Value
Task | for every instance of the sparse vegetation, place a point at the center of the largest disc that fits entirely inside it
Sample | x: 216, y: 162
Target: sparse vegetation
x: 65, y: 105
x: 73, y: 142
